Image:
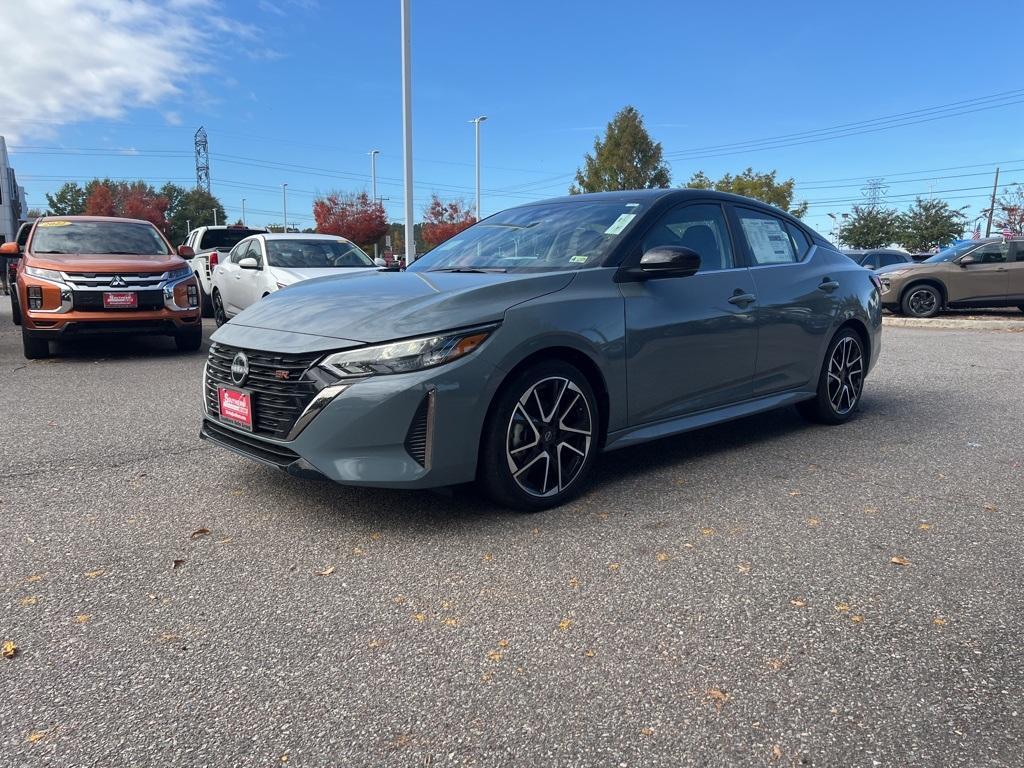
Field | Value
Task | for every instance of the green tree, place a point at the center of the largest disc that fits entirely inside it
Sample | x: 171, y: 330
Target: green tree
x: 627, y: 158
x: 69, y: 200
x: 760, y: 186
x: 870, y: 227
x: 931, y: 223
x: 193, y: 208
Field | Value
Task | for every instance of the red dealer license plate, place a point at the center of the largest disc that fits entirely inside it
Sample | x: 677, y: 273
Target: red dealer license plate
x: 235, y: 406
x: 125, y: 300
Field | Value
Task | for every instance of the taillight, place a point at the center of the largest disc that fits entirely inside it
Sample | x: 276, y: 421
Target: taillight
x: 35, y: 297
x: 214, y: 257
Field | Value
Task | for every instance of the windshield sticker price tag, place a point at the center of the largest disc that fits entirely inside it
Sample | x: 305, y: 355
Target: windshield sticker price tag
x: 620, y: 223
x: 54, y: 224
x: 578, y: 260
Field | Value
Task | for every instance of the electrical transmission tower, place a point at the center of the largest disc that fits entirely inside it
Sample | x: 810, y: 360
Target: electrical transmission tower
x: 874, y: 192
x: 202, y: 160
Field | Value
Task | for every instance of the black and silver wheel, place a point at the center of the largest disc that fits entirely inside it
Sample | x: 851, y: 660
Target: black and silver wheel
x: 841, y: 381
x: 922, y: 301
x: 219, y: 315
x: 541, y: 437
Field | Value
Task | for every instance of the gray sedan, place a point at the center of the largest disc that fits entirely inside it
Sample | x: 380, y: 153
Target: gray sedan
x: 517, y: 350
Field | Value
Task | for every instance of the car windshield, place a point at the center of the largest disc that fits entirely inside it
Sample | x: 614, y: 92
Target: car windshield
x: 92, y: 237
x: 224, y: 239
x: 948, y: 254
x: 551, y: 236
x: 315, y: 254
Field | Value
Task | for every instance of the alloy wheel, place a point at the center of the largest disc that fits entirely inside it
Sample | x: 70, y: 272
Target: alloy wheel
x: 845, y: 375
x: 549, y: 436
x: 922, y: 302
x: 220, y: 316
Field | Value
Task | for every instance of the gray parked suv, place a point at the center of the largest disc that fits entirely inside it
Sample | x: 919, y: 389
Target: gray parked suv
x: 516, y: 351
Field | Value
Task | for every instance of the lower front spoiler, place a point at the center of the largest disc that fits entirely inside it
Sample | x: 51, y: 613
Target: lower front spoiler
x: 75, y: 328
x: 271, y: 454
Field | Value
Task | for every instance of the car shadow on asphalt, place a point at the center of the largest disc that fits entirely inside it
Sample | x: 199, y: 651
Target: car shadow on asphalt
x: 99, y: 348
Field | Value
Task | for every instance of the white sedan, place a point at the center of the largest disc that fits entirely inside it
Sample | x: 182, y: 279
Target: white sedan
x: 262, y: 264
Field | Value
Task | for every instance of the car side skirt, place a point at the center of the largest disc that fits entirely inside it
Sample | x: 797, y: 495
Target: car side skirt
x: 643, y: 433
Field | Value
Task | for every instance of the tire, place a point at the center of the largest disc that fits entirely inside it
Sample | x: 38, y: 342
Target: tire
x: 34, y: 347
x: 189, y: 340
x: 205, y: 300
x: 511, y: 458
x: 840, y: 383
x: 15, y: 310
x: 219, y: 315
x: 921, y: 300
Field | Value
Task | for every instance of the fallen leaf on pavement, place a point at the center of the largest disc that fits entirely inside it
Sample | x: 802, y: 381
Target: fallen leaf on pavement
x: 813, y: 522
x: 494, y: 655
x: 842, y: 607
x: 82, y: 618
x: 451, y: 622
x: 776, y: 752
x: 94, y: 574
x: 613, y: 566
x: 326, y: 571
x: 574, y: 583
x: 939, y: 621
x: 590, y: 653
x: 743, y: 568
x: 708, y: 531
x: 36, y: 736
x: 647, y: 731
x: 990, y: 507
x: 375, y: 536
x: 924, y: 527
x: 899, y: 560
x: 420, y: 617
x: 357, y: 552
x: 797, y: 602
x: 503, y: 643
x: 776, y: 664
x: 857, y: 619
x: 794, y: 493
x: 564, y: 624
x: 662, y: 557
x: 27, y: 601
x: 870, y: 510
x: 8, y: 650
x: 488, y: 556
x: 718, y: 696
x: 199, y: 533
x: 35, y: 577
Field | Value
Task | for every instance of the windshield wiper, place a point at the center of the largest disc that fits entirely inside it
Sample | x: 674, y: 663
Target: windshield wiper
x: 469, y: 269
x: 60, y: 253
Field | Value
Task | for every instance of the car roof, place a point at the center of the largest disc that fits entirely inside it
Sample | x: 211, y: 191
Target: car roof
x: 865, y: 251
x: 303, y: 236
x: 95, y: 218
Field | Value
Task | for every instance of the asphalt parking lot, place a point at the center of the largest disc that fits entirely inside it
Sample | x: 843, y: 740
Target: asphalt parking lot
x: 759, y: 593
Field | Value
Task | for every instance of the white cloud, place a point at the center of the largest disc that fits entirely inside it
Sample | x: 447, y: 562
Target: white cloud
x: 67, y: 61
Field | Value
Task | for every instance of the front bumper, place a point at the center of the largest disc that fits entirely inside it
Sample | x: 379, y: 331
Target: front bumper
x: 413, y: 430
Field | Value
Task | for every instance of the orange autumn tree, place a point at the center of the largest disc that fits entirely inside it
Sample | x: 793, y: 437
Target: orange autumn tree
x: 443, y: 220
x: 354, y: 217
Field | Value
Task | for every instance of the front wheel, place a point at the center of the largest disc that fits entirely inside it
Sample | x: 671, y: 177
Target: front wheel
x: 219, y: 315
x: 540, y: 439
x: 840, y: 383
x: 922, y: 301
x: 189, y: 340
x: 34, y: 347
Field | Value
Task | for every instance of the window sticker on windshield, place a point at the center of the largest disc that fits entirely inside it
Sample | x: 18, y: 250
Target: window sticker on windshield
x: 620, y: 223
x: 54, y: 223
x: 578, y: 260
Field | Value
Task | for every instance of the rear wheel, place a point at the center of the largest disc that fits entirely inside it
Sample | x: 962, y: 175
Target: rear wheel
x: 922, y: 301
x: 219, y: 315
x: 34, y: 347
x: 540, y: 439
x: 189, y: 340
x: 840, y: 383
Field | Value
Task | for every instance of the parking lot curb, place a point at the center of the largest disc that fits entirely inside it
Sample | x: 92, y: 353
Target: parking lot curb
x: 954, y: 323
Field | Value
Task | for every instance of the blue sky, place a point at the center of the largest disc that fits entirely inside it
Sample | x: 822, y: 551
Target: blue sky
x: 299, y: 91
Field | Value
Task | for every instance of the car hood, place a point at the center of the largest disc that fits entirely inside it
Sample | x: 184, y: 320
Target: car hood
x: 903, y: 266
x: 289, y: 275
x: 105, y: 262
x: 379, y: 306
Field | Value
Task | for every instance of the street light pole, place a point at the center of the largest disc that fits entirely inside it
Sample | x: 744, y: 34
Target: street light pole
x: 284, y: 197
x: 243, y: 211
x: 373, y: 184
x: 214, y: 216
x: 410, y: 236
x: 476, y: 122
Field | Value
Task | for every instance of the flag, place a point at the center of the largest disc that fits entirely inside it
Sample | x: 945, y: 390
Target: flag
x: 977, y: 234
x: 1007, y: 233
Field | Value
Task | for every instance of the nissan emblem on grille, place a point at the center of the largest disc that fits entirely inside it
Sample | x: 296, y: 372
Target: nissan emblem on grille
x: 240, y: 369
x: 118, y: 282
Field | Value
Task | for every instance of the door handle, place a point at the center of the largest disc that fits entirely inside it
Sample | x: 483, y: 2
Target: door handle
x: 742, y: 299
x: 828, y: 285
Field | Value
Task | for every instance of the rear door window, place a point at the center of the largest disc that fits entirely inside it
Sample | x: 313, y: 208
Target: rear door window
x: 767, y: 239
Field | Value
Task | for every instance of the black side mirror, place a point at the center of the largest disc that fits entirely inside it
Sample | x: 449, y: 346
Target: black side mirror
x: 670, y: 261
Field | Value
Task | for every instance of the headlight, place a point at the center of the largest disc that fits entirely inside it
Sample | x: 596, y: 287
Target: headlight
x: 179, y: 273
x: 405, y: 356
x: 45, y: 274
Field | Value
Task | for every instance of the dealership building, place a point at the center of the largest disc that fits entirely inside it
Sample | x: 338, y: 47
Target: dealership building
x: 13, y: 207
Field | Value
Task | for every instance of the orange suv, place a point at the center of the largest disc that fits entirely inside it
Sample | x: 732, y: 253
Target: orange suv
x: 84, y: 275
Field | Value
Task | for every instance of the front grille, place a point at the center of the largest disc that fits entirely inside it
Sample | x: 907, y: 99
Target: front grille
x: 251, y: 447
x: 92, y: 301
x: 417, y: 439
x: 276, y: 402
x: 98, y: 280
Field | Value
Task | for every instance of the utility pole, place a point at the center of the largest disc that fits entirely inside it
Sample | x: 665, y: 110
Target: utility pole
x: 410, y: 236
x: 476, y: 122
x: 373, y: 184
x: 214, y: 216
x: 188, y: 224
x: 284, y: 197
x: 243, y: 211
x: 992, y: 208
